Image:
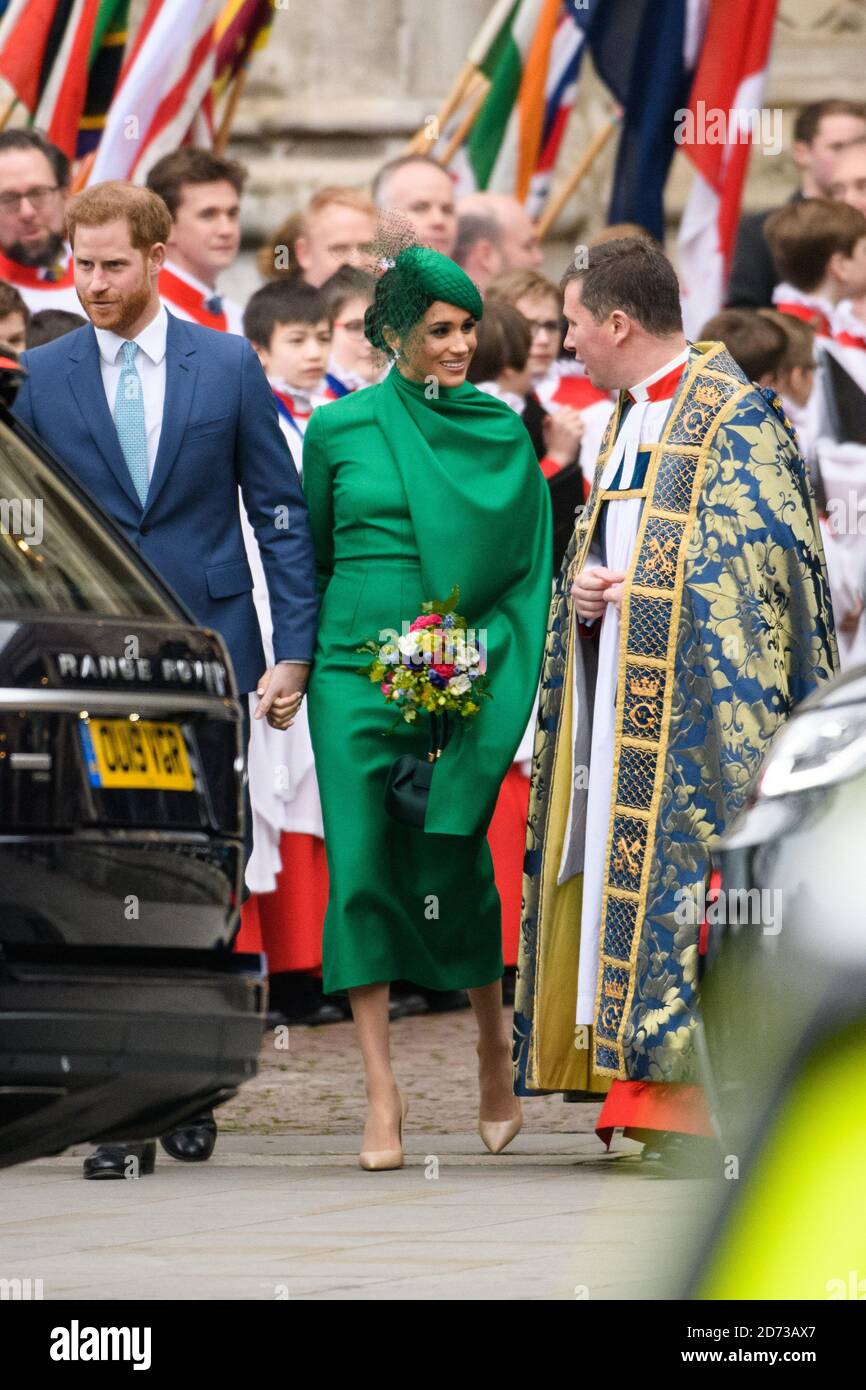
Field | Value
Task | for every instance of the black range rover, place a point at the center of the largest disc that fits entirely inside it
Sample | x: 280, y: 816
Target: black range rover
x: 123, y: 1009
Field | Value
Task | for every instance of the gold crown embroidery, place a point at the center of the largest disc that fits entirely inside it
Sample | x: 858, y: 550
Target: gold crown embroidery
x: 645, y: 686
x: 707, y: 393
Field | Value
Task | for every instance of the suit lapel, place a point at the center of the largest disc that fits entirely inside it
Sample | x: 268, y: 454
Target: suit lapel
x: 88, y: 393
x: 181, y: 372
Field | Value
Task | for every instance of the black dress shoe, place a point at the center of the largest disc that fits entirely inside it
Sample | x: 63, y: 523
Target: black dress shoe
x: 672, y: 1155
x: 298, y: 1000
x: 194, y: 1141
x: 121, y: 1160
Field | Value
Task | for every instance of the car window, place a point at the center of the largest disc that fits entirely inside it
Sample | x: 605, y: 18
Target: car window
x: 55, y: 555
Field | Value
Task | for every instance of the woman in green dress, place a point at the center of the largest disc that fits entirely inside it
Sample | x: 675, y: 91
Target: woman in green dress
x: 414, y: 486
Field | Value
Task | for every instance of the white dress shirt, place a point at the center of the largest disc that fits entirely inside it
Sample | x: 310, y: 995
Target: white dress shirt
x: 150, y: 365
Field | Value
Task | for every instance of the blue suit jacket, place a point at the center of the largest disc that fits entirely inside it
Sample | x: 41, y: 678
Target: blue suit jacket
x: 219, y: 430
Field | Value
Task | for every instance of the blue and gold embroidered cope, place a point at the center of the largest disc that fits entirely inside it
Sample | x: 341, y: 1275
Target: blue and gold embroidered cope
x: 726, y: 625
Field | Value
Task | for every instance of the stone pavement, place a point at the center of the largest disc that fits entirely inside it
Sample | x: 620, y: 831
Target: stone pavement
x: 288, y: 1214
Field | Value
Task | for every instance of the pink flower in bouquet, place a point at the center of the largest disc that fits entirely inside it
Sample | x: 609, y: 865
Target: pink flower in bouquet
x: 385, y: 688
x: 428, y: 620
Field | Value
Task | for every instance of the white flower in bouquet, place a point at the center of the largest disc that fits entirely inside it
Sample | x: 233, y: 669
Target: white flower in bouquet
x: 409, y: 643
x: 460, y: 684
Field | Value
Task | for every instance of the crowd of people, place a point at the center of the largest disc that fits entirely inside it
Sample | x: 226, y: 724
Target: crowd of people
x: 306, y: 324
x: 796, y: 323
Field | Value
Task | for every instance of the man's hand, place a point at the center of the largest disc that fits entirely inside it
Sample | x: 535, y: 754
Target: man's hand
x: 593, y: 589
x: 614, y: 595
x: 280, y: 691
x: 563, y: 431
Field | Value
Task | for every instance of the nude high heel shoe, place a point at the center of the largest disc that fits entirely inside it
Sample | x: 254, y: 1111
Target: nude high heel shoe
x: 377, y: 1160
x: 496, y: 1134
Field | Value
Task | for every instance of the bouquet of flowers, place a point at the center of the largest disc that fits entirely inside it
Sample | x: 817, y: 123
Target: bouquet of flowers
x: 434, y: 668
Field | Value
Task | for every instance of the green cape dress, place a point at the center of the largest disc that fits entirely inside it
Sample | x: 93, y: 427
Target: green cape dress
x: 410, y: 494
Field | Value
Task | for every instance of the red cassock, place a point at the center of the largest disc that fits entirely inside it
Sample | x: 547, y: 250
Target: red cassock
x: 507, y: 840
x: 287, y: 924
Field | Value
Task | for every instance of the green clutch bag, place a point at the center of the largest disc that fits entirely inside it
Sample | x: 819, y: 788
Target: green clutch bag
x: 408, y: 786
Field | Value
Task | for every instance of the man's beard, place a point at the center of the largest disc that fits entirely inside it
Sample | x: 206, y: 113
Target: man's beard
x: 40, y: 256
x: 127, y: 310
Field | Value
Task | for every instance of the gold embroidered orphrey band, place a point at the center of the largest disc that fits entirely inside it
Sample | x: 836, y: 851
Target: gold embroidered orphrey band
x: 649, y: 623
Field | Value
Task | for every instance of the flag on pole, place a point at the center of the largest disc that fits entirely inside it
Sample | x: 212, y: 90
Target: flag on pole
x: 244, y: 25
x: 30, y: 34
x: 65, y: 73
x: 645, y: 52
x: 106, y: 58
x: 563, y: 66
x: 164, y: 81
x: 506, y: 137
x: 48, y: 52
x: 724, y: 106
x: 531, y: 61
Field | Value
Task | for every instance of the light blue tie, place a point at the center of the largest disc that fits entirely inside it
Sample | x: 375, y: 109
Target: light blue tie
x: 129, y: 421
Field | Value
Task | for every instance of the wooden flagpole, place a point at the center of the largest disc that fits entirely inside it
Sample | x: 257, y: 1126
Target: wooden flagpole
x: 422, y: 139
x: 82, y: 173
x: 477, y: 96
x: 221, y: 138
x: 578, y: 173
x: 6, y: 115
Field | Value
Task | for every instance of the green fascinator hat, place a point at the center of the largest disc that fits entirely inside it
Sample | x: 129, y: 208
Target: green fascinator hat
x: 415, y: 280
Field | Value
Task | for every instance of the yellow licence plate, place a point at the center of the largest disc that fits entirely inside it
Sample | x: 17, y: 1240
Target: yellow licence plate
x: 140, y: 753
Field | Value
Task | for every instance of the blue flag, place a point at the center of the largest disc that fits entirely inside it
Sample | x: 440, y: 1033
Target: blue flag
x: 638, y: 48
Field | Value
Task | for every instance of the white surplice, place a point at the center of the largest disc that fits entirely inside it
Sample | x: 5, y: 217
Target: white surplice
x: 284, y: 792
x: 643, y: 425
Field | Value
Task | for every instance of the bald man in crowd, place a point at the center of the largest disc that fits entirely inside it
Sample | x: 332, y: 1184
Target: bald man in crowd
x: 519, y: 242
x: 417, y: 186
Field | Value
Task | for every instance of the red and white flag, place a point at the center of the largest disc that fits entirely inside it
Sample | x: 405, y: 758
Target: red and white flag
x: 164, y: 81
x: 61, y: 103
x: 725, y: 116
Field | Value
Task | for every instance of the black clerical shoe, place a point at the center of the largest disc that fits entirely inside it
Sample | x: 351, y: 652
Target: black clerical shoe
x: 121, y: 1160
x: 192, y: 1142
x: 671, y: 1155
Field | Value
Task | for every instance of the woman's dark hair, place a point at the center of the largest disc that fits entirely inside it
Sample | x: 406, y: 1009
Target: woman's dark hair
x: 504, y: 339
x: 635, y: 276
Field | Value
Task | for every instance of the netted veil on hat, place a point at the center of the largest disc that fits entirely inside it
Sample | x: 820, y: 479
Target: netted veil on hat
x: 416, y: 277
